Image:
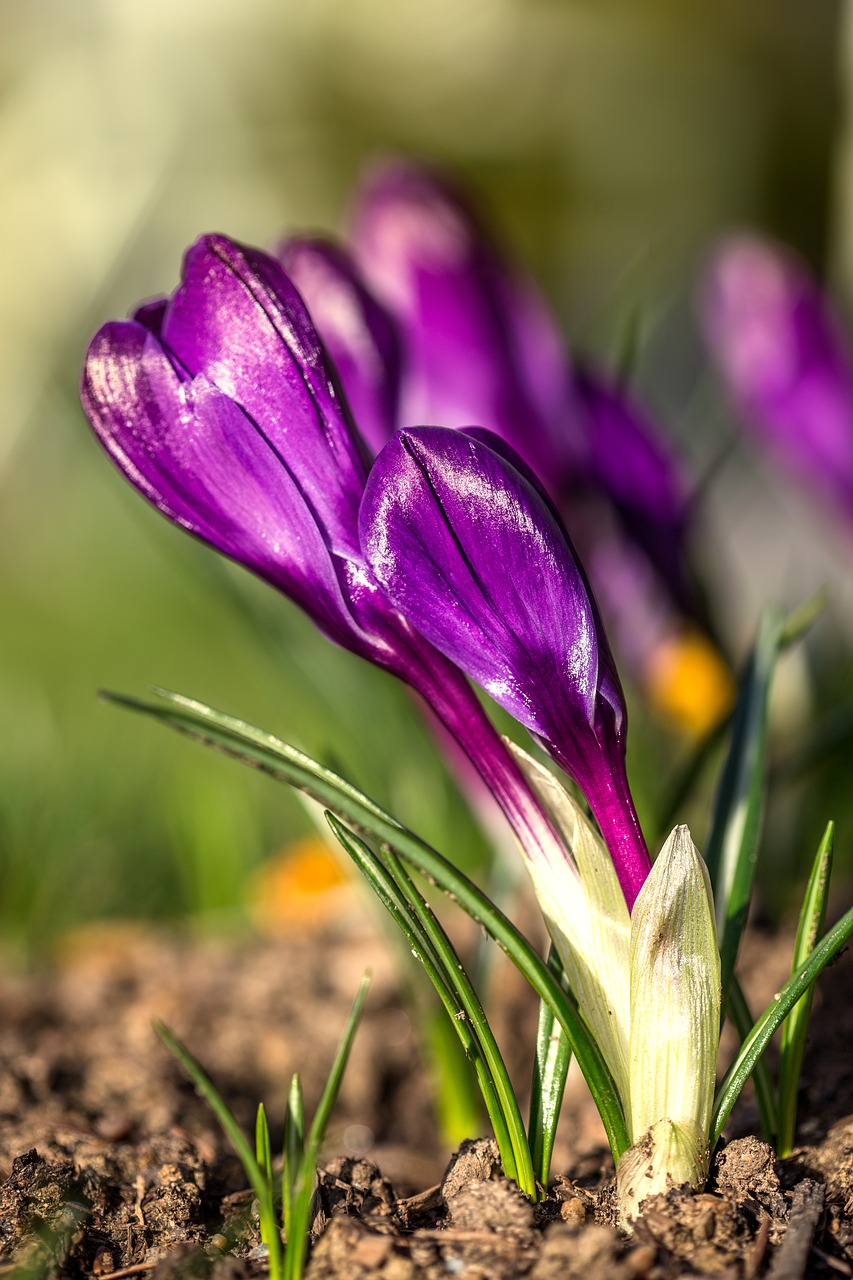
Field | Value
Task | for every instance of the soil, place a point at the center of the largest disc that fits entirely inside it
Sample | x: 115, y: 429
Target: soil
x: 112, y: 1167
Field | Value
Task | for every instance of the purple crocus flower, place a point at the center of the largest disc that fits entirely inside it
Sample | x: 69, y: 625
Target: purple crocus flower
x: 474, y: 555
x: 221, y: 406
x: 783, y: 360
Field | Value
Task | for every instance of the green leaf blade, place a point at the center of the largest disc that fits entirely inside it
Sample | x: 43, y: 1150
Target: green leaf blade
x: 440, y: 971
x: 732, y: 847
x: 260, y: 1184
x: 795, y: 1028
x: 303, y: 1187
x: 474, y: 1012
x: 263, y: 1149
x: 550, y: 1068
x: 742, y: 1020
x: 214, y: 1100
x: 531, y: 966
x: 293, y: 1153
x: 766, y: 1026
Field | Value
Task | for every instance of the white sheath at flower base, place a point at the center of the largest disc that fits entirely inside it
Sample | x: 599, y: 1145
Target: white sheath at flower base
x: 647, y: 985
x: 675, y: 1027
x: 584, y: 908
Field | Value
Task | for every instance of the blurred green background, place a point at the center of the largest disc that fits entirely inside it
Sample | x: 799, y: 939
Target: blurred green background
x: 611, y: 142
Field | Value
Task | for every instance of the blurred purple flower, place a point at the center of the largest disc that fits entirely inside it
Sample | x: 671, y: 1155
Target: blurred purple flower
x: 481, y: 348
x: 476, y: 344
x: 474, y: 555
x: 781, y: 355
x: 626, y: 465
x: 479, y: 345
x: 220, y: 405
x: 357, y: 331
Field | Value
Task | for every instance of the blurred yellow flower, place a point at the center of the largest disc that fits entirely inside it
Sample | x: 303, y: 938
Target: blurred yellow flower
x: 302, y: 887
x: 688, y: 681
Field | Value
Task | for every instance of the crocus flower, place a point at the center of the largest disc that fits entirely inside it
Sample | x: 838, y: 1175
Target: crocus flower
x: 469, y: 547
x: 474, y: 555
x: 784, y: 362
x: 222, y: 407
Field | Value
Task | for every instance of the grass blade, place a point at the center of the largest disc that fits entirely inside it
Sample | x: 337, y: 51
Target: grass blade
x: 758, y: 1039
x: 263, y: 751
x: 402, y: 911
x: 297, y: 1241
x: 293, y: 1153
x: 319, y: 1124
x: 263, y: 1149
x: 733, y: 843
x: 795, y: 1028
x: 550, y: 1068
x: 475, y: 1014
x: 214, y: 1100
x: 261, y: 1186
x: 531, y: 966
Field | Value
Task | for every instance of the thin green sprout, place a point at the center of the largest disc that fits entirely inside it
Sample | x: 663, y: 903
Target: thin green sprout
x: 300, y: 1159
x: 794, y: 1030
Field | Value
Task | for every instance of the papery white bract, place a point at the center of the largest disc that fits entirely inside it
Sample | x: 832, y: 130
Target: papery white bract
x: 587, y: 918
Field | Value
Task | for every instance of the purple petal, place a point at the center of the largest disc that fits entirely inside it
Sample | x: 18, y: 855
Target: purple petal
x: 783, y: 360
x: 358, y: 333
x: 479, y: 346
x: 201, y: 460
x: 472, y: 555
x: 238, y: 320
x: 609, y: 685
x: 542, y: 358
x: 468, y: 551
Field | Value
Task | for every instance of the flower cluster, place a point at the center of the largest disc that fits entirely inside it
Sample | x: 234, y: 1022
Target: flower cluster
x: 232, y: 406
x: 427, y: 324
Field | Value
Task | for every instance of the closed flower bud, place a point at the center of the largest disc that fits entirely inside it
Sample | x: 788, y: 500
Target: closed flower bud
x: 675, y: 1024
